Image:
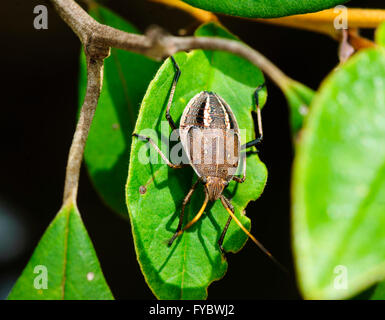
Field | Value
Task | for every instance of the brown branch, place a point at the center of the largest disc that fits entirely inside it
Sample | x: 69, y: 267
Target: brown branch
x: 78, y: 20
x: 235, y: 47
x: 94, y: 85
x: 157, y: 44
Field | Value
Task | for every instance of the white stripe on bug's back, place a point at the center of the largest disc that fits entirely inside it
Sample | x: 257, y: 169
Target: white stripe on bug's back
x: 227, y: 120
x: 206, y: 113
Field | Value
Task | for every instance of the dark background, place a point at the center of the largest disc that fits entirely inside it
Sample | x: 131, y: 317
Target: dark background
x: 39, y: 72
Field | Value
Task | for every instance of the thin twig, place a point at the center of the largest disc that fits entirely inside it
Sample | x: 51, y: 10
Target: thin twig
x: 94, y: 85
x: 78, y: 19
x: 235, y: 47
x: 156, y: 43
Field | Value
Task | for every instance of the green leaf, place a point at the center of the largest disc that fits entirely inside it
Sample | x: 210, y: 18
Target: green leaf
x: 66, y: 255
x: 126, y: 77
x: 339, y: 182
x: 264, y: 8
x: 380, y: 35
x: 155, y: 192
x: 299, y: 98
x: 377, y: 292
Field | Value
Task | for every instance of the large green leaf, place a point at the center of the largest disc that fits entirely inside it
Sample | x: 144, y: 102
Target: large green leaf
x: 264, y: 8
x: 339, y: 182
x: 377, y: 292
x: 126, y: 77
x: 66, y: 256
x: 155, y: 192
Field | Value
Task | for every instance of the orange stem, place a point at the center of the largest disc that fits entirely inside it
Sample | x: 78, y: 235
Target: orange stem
x: 322, y: 21
x: 199, y: 14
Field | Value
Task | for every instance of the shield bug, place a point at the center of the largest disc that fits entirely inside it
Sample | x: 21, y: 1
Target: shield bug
x: 209, y: 128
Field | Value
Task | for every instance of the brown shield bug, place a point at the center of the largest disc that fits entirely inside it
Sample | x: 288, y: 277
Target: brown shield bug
x: 208, y: 128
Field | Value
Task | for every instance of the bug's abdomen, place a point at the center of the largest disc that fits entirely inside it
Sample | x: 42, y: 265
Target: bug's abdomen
x: 211, y: 136
x: 212, y: 153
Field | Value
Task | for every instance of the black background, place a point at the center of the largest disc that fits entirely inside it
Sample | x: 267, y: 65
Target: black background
x: 39, y: 72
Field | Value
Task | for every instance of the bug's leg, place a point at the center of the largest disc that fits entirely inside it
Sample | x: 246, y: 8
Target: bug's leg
x: 238, y: 179
x: 220, y: 241
x: 228, y: 202
x: 222, y: 237
x: 195, y: 219
x: 185, y: 202
x: 259, y: 117
x: 148, y: 139
x: 171, y: 97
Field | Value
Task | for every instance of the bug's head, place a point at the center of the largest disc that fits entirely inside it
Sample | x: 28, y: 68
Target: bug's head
x: 214, y: 187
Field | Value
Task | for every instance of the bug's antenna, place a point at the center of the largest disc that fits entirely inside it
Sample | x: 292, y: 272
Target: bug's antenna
x: 251, y: 236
